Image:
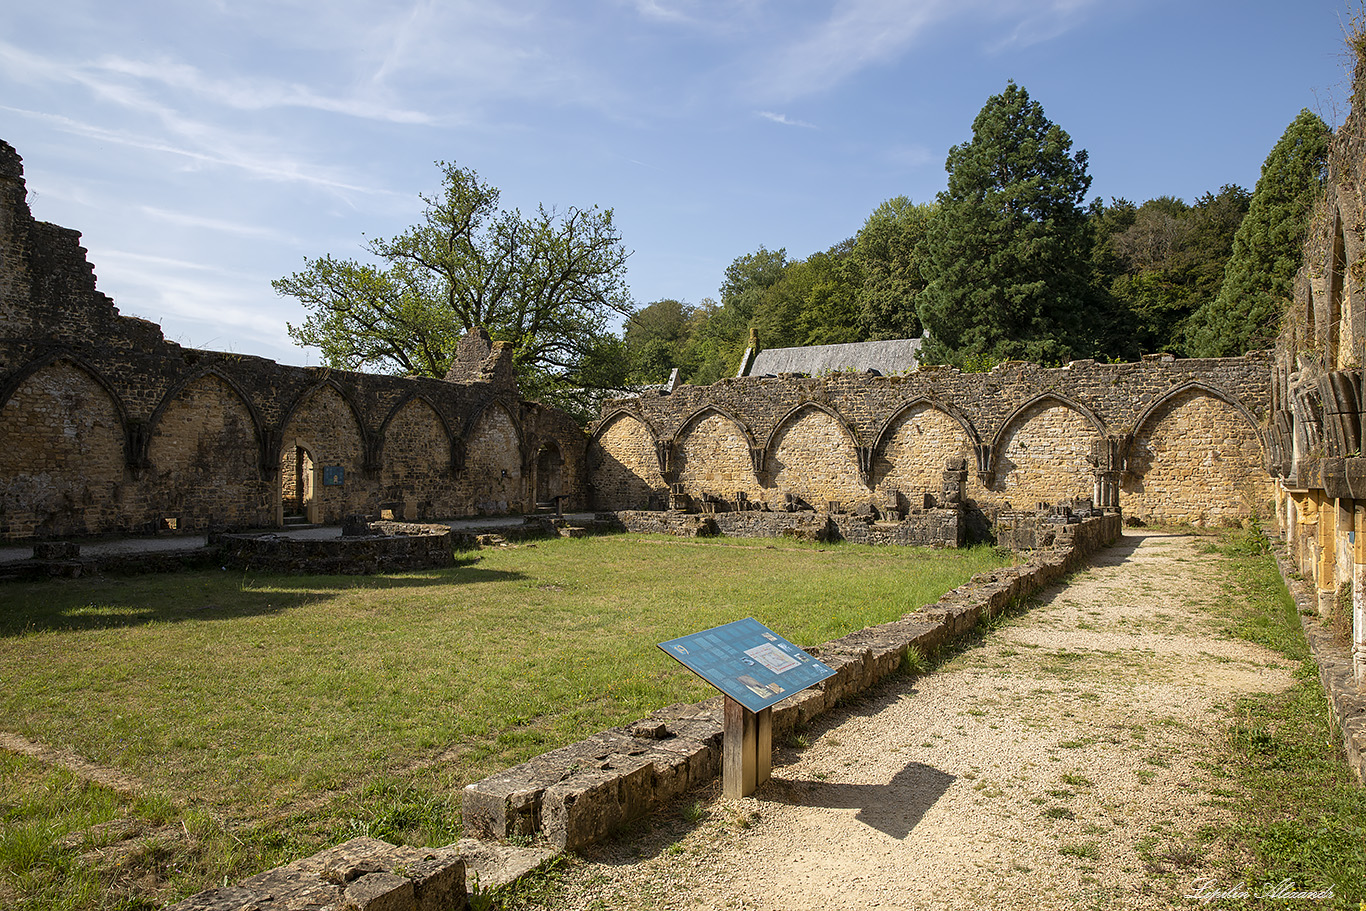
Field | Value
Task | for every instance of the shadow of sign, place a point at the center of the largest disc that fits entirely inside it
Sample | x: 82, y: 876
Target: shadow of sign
x: 893, y: 808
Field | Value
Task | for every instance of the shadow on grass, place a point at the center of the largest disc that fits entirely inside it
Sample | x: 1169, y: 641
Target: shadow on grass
x: 96, y: 604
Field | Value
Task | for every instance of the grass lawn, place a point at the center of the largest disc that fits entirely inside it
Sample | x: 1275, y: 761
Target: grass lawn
x: 1298, y: 812
x: 268, y: 716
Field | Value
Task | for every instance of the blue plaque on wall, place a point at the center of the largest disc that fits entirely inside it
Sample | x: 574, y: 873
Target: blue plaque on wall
x: 333, y: 475
x: 748, y: 662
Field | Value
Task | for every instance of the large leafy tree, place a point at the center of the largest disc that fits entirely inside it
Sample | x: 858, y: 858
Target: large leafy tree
x: 887, y: 248
x: 1160, y: 262
x: 1267, y: 248
x: 1007, y: 255
x: 547, y: 283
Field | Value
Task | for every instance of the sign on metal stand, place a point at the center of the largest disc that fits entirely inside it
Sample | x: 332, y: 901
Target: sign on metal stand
x: 754, y: 668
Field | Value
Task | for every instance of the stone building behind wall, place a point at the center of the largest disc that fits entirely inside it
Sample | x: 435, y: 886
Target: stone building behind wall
x: 106, y: 427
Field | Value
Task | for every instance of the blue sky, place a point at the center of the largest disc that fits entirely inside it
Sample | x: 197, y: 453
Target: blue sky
x: 206, y: 148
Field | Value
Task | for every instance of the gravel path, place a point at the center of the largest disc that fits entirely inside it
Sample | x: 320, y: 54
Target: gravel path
x: 1028, y: 771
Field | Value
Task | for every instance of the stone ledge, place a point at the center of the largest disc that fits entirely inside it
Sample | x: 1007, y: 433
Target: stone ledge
x: 1346, y: 702
x: 397, y: 547
x: 363, y: 874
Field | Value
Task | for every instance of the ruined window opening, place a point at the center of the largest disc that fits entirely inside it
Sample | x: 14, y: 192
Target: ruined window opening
x: 297, y: 483
x: 549, y: 474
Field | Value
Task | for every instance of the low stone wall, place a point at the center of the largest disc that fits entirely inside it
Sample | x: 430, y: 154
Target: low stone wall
x: 926, y: 527
x: 397, y: 547
x: 363, y: 874
x: 577, y: 794
x: 1346, y: 703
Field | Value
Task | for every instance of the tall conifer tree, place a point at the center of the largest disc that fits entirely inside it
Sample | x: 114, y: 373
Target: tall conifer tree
x: 1268, y: 248
x: 1006, y: 255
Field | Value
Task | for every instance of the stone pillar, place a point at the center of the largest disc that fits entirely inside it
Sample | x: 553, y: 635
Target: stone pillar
x: 1359, y: 596
x: 955, y: 479
x: 1292, y: 517
x: 1282, y: 500
x: 1306, y: 554
x: 1328, y: 552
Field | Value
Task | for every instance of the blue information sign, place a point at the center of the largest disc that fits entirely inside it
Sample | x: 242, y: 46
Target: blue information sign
x: 748, y: 662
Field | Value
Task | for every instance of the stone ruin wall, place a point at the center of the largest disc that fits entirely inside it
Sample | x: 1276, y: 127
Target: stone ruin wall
x: 1318, y: 423
x: 109, y: 428
x: 1167, y: 440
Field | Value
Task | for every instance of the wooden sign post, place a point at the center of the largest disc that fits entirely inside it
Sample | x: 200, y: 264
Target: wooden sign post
x: 754, y: 668
x: 746, y: 750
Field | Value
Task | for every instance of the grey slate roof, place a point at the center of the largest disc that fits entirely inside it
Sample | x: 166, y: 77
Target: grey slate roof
x: 893, y: 356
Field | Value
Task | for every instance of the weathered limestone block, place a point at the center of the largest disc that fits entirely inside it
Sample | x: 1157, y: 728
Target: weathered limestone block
x: 363, y: 874
x: 379, y: 892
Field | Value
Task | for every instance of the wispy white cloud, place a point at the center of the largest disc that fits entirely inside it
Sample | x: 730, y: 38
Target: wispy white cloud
x: 1037, y: 23
x: 280, y: 168
x: 237, y: 229
x: 705, y: 14
x: 859, y: 34
x: 255, y: 94
x: 785, y: 120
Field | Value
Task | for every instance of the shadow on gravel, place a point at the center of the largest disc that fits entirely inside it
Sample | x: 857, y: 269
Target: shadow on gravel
x: 893, y: 808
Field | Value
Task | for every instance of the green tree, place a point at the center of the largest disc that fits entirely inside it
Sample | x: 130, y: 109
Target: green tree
x: 1007, y: 255
x: 887, y: 249
x: 655, y: 339
x: 1268, y: 247
x: 1160, y: 262
x: 547, y: 283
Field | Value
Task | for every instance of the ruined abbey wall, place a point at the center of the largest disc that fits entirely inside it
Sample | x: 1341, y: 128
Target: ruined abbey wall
x: 1317, y: 420
x: 107, y: 427
x: 1168, y: 440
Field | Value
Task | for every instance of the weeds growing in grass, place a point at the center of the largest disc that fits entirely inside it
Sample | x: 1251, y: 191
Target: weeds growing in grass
x: 1299, y: 814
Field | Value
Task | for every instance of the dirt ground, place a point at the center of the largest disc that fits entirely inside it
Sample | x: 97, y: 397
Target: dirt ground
x: 1064, y: 762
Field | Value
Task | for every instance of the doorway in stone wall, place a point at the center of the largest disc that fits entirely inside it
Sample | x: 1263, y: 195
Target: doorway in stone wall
x: 298, y: 485
x: 549, y: 475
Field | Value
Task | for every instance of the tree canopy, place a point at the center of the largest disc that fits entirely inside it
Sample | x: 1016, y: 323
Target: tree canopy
x: 1159, y: 262
x: 1267, y: 248
x: 1007, y: 254
x: 547, y: 283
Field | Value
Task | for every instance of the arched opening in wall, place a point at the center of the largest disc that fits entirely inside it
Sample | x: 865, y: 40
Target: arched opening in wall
x: 712, y: 457
x: 334, y: 485
x: 915, y: 447
x: 1044, y: 456
x: 298, y: 485
x: 812, y: 457
x: 493, y: 462
x: 62, y: 462
x: 1195, y: 459
x: 205, y: 460
x: 415, y: 479
x: 623, y: 468
x: 549, y: 475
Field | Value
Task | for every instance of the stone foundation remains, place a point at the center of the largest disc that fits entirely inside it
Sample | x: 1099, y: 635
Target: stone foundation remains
x: 380, y: 547
x: 364, y: 874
